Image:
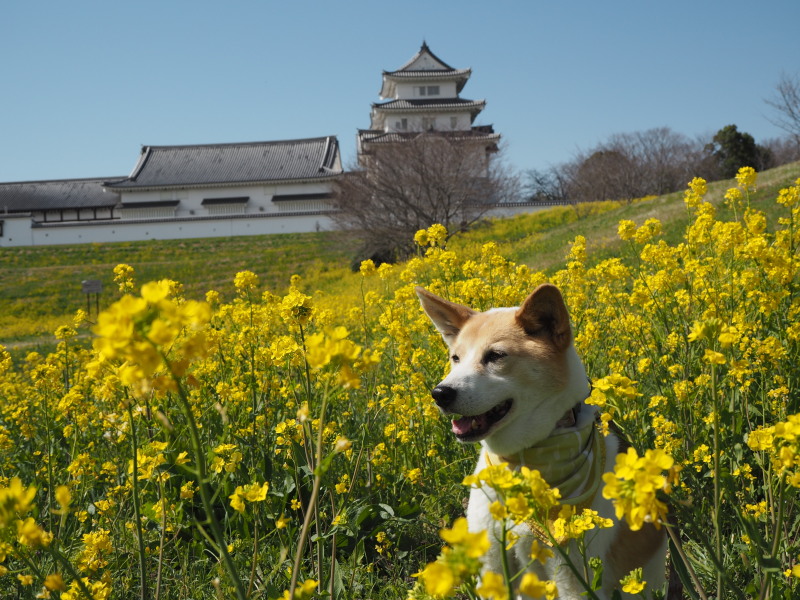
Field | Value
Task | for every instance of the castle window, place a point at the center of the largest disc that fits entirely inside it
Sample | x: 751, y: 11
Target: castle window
x: 155, y: 209
x: 226, y: 206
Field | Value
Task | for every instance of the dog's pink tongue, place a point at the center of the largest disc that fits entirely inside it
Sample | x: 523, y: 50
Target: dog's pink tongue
x: 464, y: 425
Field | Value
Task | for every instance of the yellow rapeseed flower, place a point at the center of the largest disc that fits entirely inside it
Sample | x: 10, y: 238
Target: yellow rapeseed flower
x: 746, y: 178
x: 54, y: 583
x: 475, y: 544
x: 634, y: 484
x: 15, y: 501
x: 252, y: 492
x: 493, y: 585
x: 438, y: 579
x: 63, y: 497
x: 532, y: 586
x: 245, y: 281
x: 30, y: 534
x: 632, y: 583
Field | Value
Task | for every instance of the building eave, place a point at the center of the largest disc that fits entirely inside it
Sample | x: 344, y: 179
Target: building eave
x: 392, y: 78
x: 231, y: 184
x: 478, y: 105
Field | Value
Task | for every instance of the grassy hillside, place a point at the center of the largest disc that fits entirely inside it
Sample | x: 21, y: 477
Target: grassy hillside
x: 539, y: 240
x: 40, y: 287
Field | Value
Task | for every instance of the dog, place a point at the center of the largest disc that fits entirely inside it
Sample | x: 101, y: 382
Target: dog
x: 515, y: 385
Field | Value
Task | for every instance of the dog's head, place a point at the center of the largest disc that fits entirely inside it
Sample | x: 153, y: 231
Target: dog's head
x: 514, y: 371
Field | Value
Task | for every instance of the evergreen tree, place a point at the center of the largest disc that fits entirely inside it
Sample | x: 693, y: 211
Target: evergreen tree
x: 733, y: 149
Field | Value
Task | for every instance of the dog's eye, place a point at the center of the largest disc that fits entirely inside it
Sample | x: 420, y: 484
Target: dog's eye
x: 455, y: 358
x: 493, y: 356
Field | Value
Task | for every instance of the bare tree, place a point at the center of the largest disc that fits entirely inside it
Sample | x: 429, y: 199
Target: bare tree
x: 782, y: 150
x: 663, y: 159
x: 626, y: 166
x: 786, y: 103
x: 550, y: 185
x: 407, y: 185
x: 604, y: 174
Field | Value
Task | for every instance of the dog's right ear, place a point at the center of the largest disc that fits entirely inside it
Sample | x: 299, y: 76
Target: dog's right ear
x: 448, y: 317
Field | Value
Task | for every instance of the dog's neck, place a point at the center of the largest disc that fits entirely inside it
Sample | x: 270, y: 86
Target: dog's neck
x: 571, y: 458
x: 570, y: 417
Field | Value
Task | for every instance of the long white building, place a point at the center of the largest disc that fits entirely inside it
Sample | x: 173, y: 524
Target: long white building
x: 178, y: 192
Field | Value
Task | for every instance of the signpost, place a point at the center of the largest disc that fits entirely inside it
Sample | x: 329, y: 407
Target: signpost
x: 89, y: 287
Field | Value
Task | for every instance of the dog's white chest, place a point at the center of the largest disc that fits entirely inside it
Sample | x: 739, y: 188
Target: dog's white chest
x: 596, y: 542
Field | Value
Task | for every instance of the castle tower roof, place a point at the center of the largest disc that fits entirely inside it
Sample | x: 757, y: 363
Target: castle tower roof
x: 424, y: 66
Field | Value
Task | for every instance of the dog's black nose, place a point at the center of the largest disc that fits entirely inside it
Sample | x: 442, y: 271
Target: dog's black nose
x: 443, y: 395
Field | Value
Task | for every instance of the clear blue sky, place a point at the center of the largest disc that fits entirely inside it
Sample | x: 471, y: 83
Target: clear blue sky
x: 84, y: 84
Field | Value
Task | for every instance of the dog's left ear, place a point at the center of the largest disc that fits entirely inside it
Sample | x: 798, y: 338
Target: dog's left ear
x: 448, y: 317
x: 544, y: 314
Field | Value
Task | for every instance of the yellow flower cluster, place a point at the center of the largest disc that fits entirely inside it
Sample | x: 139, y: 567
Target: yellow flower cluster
x: 634, y: 485
x: 458, y: 561
x: 252, y: 492
x: 142, y: 330
x: 524, y: 493
x: 782, y: 441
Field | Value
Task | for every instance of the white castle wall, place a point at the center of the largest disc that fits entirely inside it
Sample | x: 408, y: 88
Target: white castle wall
x: 21, y: 231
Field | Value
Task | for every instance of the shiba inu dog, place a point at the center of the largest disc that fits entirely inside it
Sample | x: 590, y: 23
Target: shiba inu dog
x: 517, y: 386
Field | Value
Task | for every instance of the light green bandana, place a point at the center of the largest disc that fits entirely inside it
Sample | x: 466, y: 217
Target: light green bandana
x: 569, y: 459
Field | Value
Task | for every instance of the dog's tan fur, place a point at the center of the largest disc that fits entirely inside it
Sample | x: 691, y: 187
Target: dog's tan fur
x: 522, y: 360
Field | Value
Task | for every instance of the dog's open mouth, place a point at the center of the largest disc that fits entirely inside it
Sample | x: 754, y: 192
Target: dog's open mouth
x: 474, y: 428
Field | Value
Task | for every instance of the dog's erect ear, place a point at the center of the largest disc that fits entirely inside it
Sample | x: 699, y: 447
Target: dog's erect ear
x: 544, y: 314
x: 448, y: 317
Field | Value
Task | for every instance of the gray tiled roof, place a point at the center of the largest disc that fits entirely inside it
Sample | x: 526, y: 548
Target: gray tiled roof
x: 388, y: 88
x: 424, y: 49
x: 429, y: 74
x: 227, y: 164
x: 27, y: 196
x: 431, y: 104
x: 476, y: 133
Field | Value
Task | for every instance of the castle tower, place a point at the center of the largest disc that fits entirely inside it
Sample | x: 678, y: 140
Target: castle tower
x: 423, y: 96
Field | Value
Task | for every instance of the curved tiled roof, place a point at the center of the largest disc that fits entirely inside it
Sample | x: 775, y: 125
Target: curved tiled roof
x: 431, y: 104
x: 64, y: 194
x: 390, y: 79
x: 227, y: 164
x: 425, y: 50
x: 429, y: 74
x: 424, y: 65
x: 481, y: 133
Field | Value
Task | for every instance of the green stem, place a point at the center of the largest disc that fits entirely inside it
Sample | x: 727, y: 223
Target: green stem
x: 59, y: 558
x: 568, y: 562
x: 305, y: 364
x: 163, y: 538
x: 143, y: 591
x: 255, y: 557
x: 203, y: 484
x: 679, y: 548
x: 504, y: 555
x: 776, y: 538
x: 310, y: 509
x: 717, y: 498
